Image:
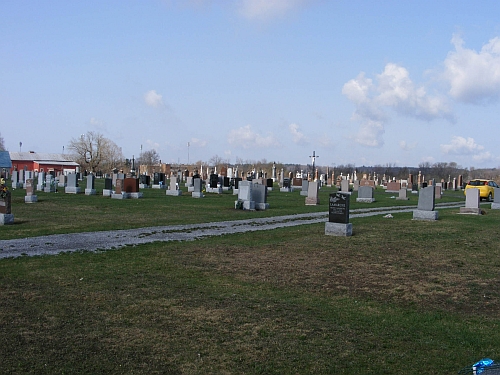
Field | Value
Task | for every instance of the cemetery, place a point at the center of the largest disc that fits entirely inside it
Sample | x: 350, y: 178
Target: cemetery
x: 348, y: 281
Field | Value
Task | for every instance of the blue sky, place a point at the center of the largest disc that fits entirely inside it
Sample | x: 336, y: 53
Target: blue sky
x: 359, y: 82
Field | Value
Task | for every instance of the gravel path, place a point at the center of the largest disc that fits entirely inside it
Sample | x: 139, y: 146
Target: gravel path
x: 93, y: 241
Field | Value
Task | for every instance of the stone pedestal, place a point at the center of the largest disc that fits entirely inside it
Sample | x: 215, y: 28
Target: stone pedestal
x: 72, y: 190
x: 6, y: 219
x: 174, y: 193
x: 30, y: 199
x: 119, y: 196
x: 470, y: 210
x: 135, y: 195
x: 312, y: 201
x: 195, y: 194
x: 365, y: 200
x: 495, y: 206
x: 425, y: 215
x: 338, y: 229
x: 90, y: 192
x: 106, y: 192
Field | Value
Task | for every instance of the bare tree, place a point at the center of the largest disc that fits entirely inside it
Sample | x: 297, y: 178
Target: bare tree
x: 2, y: 143
x: 94, y: 152
x: 149, y: 158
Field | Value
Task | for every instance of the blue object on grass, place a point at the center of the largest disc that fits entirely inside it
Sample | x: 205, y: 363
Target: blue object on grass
x: 480, y: 365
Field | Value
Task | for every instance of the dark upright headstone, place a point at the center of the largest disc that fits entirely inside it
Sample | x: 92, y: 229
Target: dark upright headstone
x: 338, y: 208
x: 108, y: 183
x: 214, y: 180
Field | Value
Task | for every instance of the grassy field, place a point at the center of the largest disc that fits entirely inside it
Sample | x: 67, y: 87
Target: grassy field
x: 398, y: 297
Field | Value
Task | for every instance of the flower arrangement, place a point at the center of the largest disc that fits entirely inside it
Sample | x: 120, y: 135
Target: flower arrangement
x: 4, y: 191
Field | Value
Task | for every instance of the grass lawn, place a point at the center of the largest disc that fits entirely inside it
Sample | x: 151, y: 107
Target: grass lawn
x: 398, y: 297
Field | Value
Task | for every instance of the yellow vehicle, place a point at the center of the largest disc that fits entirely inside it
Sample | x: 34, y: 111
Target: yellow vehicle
x: 486, y: 188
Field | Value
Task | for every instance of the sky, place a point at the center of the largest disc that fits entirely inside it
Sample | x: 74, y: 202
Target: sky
x: 357, y: 82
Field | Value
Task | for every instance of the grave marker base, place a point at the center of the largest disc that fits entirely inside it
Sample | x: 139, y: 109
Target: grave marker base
x: 30, y: 199
x: 425, y: 215
x: 72, y: 190
x: 90, y: 192
x: 365, y: 200
x: 174, y: 193
x: 470, y: 211
x: 495, y: 206
x: 338, y: 229
x: 6, y: 219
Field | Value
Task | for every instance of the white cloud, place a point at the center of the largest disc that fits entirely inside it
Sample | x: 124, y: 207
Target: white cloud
x: 370, y: 134
x: 392, y: 90
x: 245, y: 137
x: 473, y: 76
x: 461, y: 146
x: 297, y: 136
x: 153, y: 99
x: 407, y: 146
x: 197, y: 142
x: 266, y: 9
x: 483, y: 157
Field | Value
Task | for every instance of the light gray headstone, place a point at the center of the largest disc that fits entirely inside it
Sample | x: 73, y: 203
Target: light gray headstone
x: 426, y: 199
x: 472, y: 198
x: 365, y: 192
x: 90, y: 181
x: 72, y: 180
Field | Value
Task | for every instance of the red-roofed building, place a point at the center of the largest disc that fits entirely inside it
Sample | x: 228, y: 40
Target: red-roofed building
x: 43, y: 162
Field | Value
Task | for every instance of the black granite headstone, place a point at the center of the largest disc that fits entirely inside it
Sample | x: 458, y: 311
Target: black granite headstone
x: 108, y: 183
x: 226, y: 182
x: 214, y: 180
x: 269, y: 182
x: 236, y: 182
x: 338, y: 208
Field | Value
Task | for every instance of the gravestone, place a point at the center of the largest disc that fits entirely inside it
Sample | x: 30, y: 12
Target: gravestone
x: 472, y: 198
x: 159, y: 180
x: 131, y: 188
x: 344, y: 186
x: 108, y: 187
x: 269, y: 184
x: 6, y: 216
x: 62, y: 181
x: 365, y: 194
x: 236, y: 181
x: 393, y: 187
x: 40, y: 186
x: 90, y: 190
x: 15, y: 180
x: 259, y: 196
x: 226, y: 183
x: 426, y: 204
x: 119, y: 192
x: 189, y: 184
x: 297, y: 183
x: 144, y: 181
x: 312, y: 198
x: 438, y: 191
x: 305, y: 187
x: 338, y: 215
x: 285, y: 186
x: 30, y: 197
x: 50, y: 184
x: 245, y: 201
x: 197, y: 188
x: 496, y: 199
x: 72, y: 184
x: 21, y: 178
x: 174, y: 188
x: 403, y: 194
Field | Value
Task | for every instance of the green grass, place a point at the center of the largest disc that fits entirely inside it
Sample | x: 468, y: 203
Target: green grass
x: 398, y: 297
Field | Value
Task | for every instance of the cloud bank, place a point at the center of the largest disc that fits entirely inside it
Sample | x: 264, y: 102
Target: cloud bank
x: 246, y: 138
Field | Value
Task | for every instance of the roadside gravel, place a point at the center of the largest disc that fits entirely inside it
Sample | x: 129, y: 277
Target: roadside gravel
x: 95, y: 241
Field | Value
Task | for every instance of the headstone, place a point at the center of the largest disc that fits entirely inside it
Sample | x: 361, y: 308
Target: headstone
x: 365, y: 194
x: 197, y: 188
x: 312, y: 198
x: 50, y: 184
x: 144, y: 181
x: 90, y: 190
x: 6, y: 216
x: 259, y: 196
x: 21, y: 178
x: 344, y: 186
x: 426, y: 204
x: 119, y: 192
x: 131, y: 187
x: 108, y: 187
x: 496, y: 199
x: 236, y: 182
x: 297, y: 183
x: 62, y: 181
x: 338, y: 215
x: 41, y: 181
x: 30, y: 197
x: 393, y: 187
x: 72, y: 184
x: 403, y: 194
x: 355, y: 185
x: 269, y: 184
x: 305, y: 187
x: 285, y: 186
x: 438, y: 191
x: 159, y: 180
x: 15, y: 180
x: 245, y: 201
x: 174, y: 188
x: 472, y: 199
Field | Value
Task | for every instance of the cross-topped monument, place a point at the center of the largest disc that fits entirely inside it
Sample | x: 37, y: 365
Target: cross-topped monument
x: 313, y: 159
